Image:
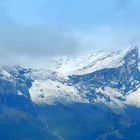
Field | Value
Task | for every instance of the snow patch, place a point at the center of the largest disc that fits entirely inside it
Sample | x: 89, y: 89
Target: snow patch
x: 52, y: 92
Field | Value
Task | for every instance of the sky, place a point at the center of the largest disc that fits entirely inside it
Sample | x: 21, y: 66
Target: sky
x: 34, y: 31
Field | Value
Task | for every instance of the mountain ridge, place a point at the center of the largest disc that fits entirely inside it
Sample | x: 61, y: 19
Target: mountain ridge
x: 52, y: 87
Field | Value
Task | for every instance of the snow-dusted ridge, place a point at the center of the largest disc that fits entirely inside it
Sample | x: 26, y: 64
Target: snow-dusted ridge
x: 110, y: 79
x: 93, y: 62
x: 54, y: 87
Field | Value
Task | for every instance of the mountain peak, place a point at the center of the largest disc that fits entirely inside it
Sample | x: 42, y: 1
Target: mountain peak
x: 133, y: 49
x: 132, y: 56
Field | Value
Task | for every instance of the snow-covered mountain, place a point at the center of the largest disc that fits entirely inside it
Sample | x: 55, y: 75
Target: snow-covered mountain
x: 101, y: 91
x: 111, y: 79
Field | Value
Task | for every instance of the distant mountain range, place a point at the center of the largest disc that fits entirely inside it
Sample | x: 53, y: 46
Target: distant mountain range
x: 91, y: 97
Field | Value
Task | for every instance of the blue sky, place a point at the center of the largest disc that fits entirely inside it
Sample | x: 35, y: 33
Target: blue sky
x: 75, y: 13
x: 44, y: 28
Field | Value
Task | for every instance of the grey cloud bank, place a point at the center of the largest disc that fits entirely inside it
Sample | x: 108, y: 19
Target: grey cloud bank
x: 34, y: 45
x: 36, y: 41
